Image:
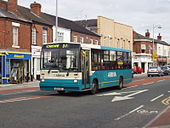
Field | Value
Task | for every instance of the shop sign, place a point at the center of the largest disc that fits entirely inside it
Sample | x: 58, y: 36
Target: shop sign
x: 36, y: 50
x: 18, y: 56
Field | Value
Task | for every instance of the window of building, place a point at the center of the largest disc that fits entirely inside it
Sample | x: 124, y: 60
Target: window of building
x: 75, y: 39
x: 44, y: 36
x: 96, y: 42
x: 91, y: 41
x: 129, y: 45
x: 34, y: 36
x: 15, y: 36
x: 60, y: 37
x: 81, y: 39
x: 143, y: 48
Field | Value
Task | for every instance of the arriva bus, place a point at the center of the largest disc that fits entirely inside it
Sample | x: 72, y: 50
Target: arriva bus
x: 82, y: 67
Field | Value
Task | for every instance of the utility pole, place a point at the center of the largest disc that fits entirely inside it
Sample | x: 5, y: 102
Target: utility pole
x: 56, y: 33
x: 154, y: 50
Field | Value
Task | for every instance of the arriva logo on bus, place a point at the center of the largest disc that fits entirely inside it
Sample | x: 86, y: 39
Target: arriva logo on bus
x: 112, y: 74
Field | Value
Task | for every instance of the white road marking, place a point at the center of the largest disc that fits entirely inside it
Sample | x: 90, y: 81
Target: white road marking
x: 157, y: 97
x: 116, y: 93
x: 129, y: 113
x: 119, y: 98
x: 146, y: 112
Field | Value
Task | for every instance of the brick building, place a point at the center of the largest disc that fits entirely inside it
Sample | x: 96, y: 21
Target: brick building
x: 68, y: 31
x: 15, y: 41
x: 113, y: 34
x: 78, y: 32
x: 22, y: 33
x: 144, y: 56
x: 20, y: 29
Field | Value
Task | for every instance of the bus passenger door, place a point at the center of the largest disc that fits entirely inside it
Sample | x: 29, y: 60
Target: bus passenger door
x: 85, y: 66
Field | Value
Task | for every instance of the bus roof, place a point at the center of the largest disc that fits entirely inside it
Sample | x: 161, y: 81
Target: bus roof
x: 92, y: 46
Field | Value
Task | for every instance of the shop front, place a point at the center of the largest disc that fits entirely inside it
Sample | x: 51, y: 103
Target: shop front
x: 142, y: 61
x: 35, y: 62
x: 14, y: 67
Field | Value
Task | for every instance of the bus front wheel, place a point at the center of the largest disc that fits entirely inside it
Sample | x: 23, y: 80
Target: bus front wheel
x: 94, y: 87
x: 120, y: 83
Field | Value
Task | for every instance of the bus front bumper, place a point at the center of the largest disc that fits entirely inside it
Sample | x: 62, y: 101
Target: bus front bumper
x: 61, y: 85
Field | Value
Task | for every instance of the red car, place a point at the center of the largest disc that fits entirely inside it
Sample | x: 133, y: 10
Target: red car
x: 166, y: 70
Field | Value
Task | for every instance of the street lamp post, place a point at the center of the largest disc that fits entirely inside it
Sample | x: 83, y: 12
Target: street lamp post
x: 154, y: 50
x: 56, y: 33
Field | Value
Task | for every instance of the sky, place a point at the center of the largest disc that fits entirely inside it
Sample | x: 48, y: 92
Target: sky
x: 140, y: 14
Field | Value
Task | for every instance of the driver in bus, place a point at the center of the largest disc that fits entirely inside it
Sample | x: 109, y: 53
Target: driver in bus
x: 52, y: 60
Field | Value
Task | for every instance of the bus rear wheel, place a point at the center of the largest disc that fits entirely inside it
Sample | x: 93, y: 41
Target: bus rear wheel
x: 120, y: 83
x: 94, y: 87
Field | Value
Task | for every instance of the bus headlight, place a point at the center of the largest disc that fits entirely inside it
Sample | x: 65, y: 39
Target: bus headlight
x: 42, y: 80
x: 75, y: 81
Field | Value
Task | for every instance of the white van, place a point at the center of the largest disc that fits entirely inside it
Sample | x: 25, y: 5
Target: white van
x: 155, y: 71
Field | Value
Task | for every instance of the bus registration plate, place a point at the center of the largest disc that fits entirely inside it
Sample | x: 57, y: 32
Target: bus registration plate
x: 59, y: 89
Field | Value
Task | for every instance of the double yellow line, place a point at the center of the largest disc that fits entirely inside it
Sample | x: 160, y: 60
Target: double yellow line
x: 166, y: 101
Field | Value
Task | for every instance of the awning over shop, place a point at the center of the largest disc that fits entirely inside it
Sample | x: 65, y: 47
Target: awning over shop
x: 16, y: 55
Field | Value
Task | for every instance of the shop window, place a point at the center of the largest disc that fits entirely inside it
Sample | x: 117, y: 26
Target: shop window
x: 38, y: 64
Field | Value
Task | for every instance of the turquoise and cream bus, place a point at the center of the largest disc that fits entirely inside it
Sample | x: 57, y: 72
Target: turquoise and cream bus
x: 82, y: 67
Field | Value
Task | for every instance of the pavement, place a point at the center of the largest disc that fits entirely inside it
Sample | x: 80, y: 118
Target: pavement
x: 161, y: 121
x: 32, y: 84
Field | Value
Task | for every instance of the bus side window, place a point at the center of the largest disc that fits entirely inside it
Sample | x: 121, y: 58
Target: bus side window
x: 95, y: 60
x: 113, y: 61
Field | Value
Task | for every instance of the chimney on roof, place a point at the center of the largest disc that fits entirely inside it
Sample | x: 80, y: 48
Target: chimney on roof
x: 36, y: 8
x: 147, y: 34
x: 159, y: 37
x: 12, y: 5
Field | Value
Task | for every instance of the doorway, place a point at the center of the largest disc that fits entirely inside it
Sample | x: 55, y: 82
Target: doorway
x: 143, y: 67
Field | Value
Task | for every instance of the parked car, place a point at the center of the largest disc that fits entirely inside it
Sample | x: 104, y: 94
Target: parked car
x: 168, y: 66
x: 166, y: 70
x: 155, y: 71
